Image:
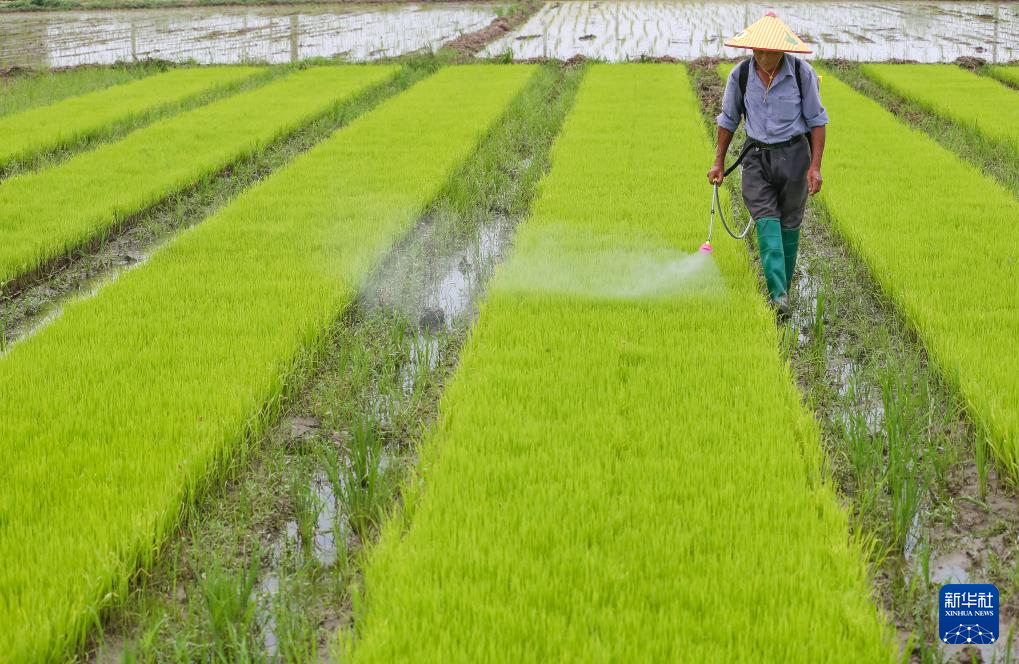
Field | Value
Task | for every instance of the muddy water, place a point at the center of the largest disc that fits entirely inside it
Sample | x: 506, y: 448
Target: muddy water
x: 42, y: 303
x: 223, y: 35
x: 437, y: 275
x: 433, y: 280
x: 323, y: 548
x: 615, y: 31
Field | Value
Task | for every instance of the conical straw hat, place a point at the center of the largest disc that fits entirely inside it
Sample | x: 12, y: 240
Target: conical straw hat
x: 769, y: 34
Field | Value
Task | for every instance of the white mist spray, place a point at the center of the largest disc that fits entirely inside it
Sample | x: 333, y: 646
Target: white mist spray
x: 607, y: 268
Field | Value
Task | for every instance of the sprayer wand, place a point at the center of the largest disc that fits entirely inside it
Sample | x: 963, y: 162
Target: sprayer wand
x: 706, y: 247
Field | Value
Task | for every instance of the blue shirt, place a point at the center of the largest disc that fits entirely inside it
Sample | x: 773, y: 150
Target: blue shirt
x: 782, y: 114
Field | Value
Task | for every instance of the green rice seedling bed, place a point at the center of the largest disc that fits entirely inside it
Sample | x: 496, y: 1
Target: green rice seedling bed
x: 978, y: 102
x: 622, y: 470
x: 1008, y: 74
x: 24, y: 91
x: 45, y: 215
x: 65, y: 122
x: 115, y: 414
x: 941, y: 239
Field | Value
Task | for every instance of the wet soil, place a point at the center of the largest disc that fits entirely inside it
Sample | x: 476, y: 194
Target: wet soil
x: 429, y: 289
x: 472, y: 43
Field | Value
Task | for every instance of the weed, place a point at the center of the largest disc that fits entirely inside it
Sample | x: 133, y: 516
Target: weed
x: 228, y: 597
x: 307, y: 508
x: 292, y: 637
x: 362, y: 492
x: 905, y: 474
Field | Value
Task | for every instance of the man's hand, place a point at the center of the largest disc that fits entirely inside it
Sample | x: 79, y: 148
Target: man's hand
x: 814, y: 180
x: 716, y: 174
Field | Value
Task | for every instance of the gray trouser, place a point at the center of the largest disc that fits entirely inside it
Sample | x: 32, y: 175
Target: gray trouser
x: 775, y: 182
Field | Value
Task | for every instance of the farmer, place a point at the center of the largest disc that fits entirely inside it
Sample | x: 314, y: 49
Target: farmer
x: 780, y: 99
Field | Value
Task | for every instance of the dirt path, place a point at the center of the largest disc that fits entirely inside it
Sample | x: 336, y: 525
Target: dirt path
x: 472, y: 43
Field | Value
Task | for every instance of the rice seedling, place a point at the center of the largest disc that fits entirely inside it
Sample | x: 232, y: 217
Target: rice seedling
x: 974, y: 101
x: 622, y: 468
x: 997, y: 159
x: 307, y: 590
x: 1009, y: 75
x: 129, y: 400
x: 933, y: 210
x: 71, y: 120
x: 29, y: 90
x: 982, y: 459
x: 45, y: 215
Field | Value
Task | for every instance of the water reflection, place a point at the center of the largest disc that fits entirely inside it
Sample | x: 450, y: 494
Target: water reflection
x: 923, y: 31
x: 233, y: 34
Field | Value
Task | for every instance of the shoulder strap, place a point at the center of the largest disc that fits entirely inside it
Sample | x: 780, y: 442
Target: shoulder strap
x: 742, y: 76
x: 799, y: 78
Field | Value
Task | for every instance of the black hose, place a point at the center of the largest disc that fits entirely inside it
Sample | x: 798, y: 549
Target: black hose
x: 739, y: 160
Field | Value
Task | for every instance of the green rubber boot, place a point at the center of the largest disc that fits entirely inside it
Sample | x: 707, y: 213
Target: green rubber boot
x: 790, y: 246
x: 769, y: 241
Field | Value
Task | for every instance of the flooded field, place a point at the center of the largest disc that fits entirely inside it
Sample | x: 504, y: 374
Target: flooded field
x: 923, y: 31
x: 223, y: 35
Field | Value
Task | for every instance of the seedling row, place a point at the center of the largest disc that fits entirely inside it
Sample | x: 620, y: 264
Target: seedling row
x: 621, y: 474
x: 210, y: 328
x: 622, y: 465
x: 964, y: 97
x: 44, y: 215
x: 49, y: 127
x: 941, y: 239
